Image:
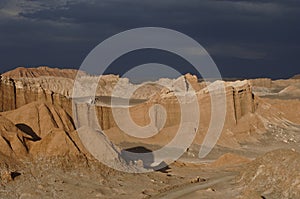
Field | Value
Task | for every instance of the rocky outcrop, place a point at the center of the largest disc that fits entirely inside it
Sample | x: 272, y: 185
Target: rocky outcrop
x: 43, y: 84
x: 42, y: 131
x: 274, y: 175
x: 279, y: 89
x: 8, y: 94
x: 37, y: 129
x: 16, y: 93
x: 57, y: 91
x: 12, y: 139
x: 261, y: 82
x: 296, y: 77
x: 41, y: 71
x: 239, y: 102
x: 243, y: 99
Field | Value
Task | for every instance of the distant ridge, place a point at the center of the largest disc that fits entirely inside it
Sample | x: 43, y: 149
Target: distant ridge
x: 296, y: 76
x: 23, y: 72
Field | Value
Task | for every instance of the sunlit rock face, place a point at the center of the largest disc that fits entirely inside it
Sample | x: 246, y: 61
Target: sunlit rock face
x: 55, y: 86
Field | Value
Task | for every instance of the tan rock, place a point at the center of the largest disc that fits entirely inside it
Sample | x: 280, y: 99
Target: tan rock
x: 22, y: 72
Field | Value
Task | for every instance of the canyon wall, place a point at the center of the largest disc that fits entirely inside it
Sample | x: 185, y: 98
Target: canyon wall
x: 239, y: 102
x: 17, y: 91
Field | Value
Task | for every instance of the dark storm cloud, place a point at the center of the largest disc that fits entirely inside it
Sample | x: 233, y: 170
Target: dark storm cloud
x: 246, y: 38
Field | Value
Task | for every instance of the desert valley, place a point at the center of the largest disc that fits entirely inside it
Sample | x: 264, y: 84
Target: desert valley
x: 42, y: 155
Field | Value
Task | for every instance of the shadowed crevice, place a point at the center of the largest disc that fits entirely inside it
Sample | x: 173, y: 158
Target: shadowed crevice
x: 29, y: 131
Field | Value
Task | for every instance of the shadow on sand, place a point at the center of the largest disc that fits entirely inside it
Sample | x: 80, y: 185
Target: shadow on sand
x: 141, y: 153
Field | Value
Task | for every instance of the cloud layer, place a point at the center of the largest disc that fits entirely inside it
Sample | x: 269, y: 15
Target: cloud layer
x: 245, y: 38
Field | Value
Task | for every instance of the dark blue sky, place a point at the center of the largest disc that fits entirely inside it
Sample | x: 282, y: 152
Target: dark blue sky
x: 245, y: 38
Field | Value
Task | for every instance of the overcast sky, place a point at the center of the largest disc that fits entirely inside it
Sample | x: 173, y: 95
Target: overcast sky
x: 257, y: 38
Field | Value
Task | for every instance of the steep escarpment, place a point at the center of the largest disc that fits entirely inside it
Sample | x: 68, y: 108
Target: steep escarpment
x: 18, y: 92
x: 239, y: 102
x: 8, y: 94
x: 243, y: 99
x: 25, y: 85
x: 241, y: 120
x: 58, y: 91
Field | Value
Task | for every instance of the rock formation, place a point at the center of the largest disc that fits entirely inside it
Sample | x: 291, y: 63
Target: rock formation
x: 43, y: 130
x: 296, y: 77
x: 41, y: 71
x: 241, y: 104
x: 38, y: 129
x: 17, y: 92
x: 46, y: 136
